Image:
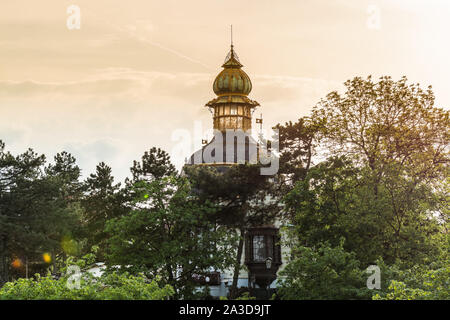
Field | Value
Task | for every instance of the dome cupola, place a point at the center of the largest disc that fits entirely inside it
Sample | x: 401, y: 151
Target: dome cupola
x: 232, y: 80
x: 232, y: 109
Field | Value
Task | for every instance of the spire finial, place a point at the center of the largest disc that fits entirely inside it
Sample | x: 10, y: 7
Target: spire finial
x: 232, y: 58
x: 232, y: 36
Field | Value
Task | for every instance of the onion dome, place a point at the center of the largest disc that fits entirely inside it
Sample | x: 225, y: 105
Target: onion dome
x: 232, y: 80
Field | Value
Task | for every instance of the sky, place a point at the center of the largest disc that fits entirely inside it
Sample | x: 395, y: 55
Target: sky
x: 137, y: 73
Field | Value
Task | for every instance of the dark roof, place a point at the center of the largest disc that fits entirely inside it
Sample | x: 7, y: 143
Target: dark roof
x: 241, y: 149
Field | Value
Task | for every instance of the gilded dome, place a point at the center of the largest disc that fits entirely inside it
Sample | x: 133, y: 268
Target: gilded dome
x: 232, y: 79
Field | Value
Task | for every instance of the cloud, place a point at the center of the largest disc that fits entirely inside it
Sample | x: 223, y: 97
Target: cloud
x: 116, y: 81
x: 119, y: 81
x: 115, y: 114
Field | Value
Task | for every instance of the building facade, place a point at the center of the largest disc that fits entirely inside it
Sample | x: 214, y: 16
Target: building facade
x: 233, y: 144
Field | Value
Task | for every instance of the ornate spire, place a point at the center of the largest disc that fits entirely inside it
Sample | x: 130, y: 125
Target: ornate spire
x: 231, y: 36
x: 232, y: 59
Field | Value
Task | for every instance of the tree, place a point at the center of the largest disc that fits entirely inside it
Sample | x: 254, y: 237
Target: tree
x: 386, y: 123
x: 103, y: 200
x: 68, y: 173
x: 65, y: 177
x: 243, y: 199
x: 108, y: 286
x: 419, y: 282
x: 155, y: 164
x: 389, y: 148
x: 298, y: 144
x: 35, y: 210
x: 323, y: 272
x: 336, y: 200
x: 168, y: 233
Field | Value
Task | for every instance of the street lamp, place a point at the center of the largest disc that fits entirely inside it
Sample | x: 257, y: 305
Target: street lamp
x: 268, y: 266
x: 269, y: 263
x: 263, y: 255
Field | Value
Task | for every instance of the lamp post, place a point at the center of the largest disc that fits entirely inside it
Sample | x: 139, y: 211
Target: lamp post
x: 269, y: 263
x: 263, y: 255
x: 268, y: 267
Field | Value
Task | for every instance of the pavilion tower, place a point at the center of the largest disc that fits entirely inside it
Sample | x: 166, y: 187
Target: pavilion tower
x: 233, y: 144
x: 232, y: 109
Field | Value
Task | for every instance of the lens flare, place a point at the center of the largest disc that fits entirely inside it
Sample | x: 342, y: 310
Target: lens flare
x: 17, y: 263
x: 47, y: 257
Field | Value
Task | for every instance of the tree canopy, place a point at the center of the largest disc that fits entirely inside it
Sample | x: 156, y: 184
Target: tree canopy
x: 363, y: 180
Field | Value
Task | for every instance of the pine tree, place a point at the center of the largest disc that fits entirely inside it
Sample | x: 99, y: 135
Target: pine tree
x: 34, y: 209
x: 102, y: 201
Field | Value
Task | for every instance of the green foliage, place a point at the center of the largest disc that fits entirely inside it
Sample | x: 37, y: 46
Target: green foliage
x: 380, y: 190
x: 387, y: 122
x: 103, y: 200
x: 419, y: 285
x: 38, y: 206
x: 429, y: 281
x: 242, y: 197
x: 298, y: 144
x: 384, y: 189
x: 111, y: 286
x: 337, y: 199
x: 246, y: 296
x: 322, y: 272
x: 170, y: 234
x: 243, y: 296
x: 155, y: 164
